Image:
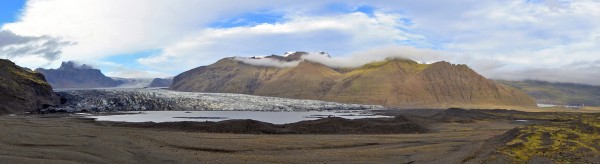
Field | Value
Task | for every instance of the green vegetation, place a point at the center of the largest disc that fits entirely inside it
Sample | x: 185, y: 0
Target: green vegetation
x: 31, y: 76
x: 558, y: 93
x: 22, y: 73
x: 576, y: 140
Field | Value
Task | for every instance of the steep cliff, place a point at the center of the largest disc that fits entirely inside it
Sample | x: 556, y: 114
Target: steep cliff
x: 70, y: 75
x: 22, y: 90
x: 393, y: 82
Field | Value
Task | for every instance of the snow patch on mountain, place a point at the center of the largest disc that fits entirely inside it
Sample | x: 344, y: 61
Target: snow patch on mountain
x: 288, y: 59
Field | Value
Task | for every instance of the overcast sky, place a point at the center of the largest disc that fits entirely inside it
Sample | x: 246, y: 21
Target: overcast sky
x: 554, y: 40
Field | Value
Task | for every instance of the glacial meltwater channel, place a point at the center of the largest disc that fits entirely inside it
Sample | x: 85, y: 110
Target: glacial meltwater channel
x: 202, y: 116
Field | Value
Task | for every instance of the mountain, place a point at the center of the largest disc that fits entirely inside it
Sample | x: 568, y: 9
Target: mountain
x: 159, y: 82
x: 558, y: 93
x: 70, y: 75
x: 393, y: 82
x: 23, y: 90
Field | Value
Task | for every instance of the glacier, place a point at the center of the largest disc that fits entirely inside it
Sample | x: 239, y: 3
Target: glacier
x: 158, y: 99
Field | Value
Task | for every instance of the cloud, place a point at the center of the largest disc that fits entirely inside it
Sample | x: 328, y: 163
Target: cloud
x: 494, y: 37
x: 104, y: 28
x: 586, y: 72
x: 267, y: 62
x: 124, y: 71
x: 76, y: 65
x: 134, y: 73
x: 340, y: 34
x: 512, y: 39
x: 378, y: 54
x: 39, y: 49
x: 356, y: 59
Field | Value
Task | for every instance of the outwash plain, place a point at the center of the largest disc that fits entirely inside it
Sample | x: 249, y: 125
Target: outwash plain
x: 451, y: 136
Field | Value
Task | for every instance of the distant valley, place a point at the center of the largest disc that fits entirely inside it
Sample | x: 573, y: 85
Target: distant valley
x: 558, y: 93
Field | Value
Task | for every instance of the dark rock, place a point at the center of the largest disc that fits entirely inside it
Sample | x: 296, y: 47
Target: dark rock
x: 462, y: 115
x: 321, y: 126
x: 23, y: 91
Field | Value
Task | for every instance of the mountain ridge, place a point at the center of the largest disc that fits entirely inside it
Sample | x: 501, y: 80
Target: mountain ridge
x: 393, y: 82
x: 68, y: 75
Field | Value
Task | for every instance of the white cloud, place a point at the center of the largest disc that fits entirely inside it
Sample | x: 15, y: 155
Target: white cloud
x: 356, y: 59
x: 113, y: 27
x: 267, y: 62
x: 341, y: 34
x: 123, y: 71
x: 379, y: 54
x: 497, y: 37
x: 140, y: 74
x: 513, y: 39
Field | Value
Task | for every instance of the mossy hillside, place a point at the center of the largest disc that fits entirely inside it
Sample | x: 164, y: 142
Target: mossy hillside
x: 573, y: 141
x: 23, y: 73
x: 31, y: 76
x: 23, y: 90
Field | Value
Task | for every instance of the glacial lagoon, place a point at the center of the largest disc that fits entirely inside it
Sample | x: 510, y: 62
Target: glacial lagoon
x: 203, y: 116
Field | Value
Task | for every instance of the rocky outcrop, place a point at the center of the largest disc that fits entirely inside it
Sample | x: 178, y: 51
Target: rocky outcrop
x: 158, y: 82
x: 71, y: 75
x: 394, y: 82
x: 122, y: 99
x: 23, y: 90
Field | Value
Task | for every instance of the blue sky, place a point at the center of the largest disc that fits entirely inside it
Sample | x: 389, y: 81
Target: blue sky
x: 9, y: 10
x: 514, y: 40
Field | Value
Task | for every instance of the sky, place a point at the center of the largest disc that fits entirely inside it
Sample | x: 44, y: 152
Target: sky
x: 552, y: 40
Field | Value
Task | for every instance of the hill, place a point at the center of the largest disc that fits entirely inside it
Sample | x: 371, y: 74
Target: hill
x: 393, y: 82
x: 23, y: 90
x: 558, y: 93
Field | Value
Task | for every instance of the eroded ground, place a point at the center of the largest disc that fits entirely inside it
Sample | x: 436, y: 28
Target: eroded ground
x: 33, y: 139
x: 454, y: 136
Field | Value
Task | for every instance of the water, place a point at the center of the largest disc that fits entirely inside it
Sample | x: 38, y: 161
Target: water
x: 546, y: 105
x: 203, y: 116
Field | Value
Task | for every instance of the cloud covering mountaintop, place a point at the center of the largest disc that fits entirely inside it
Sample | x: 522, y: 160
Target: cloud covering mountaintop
x: 541, y: 39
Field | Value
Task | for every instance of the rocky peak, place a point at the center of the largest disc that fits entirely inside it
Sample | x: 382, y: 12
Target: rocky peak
x: 291, y: 56
x: 70, y: 65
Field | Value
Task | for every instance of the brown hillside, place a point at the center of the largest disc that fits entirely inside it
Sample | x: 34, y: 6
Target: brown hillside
x: 394, y: 82
x: 308, y: 80
x: 226, y: 75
